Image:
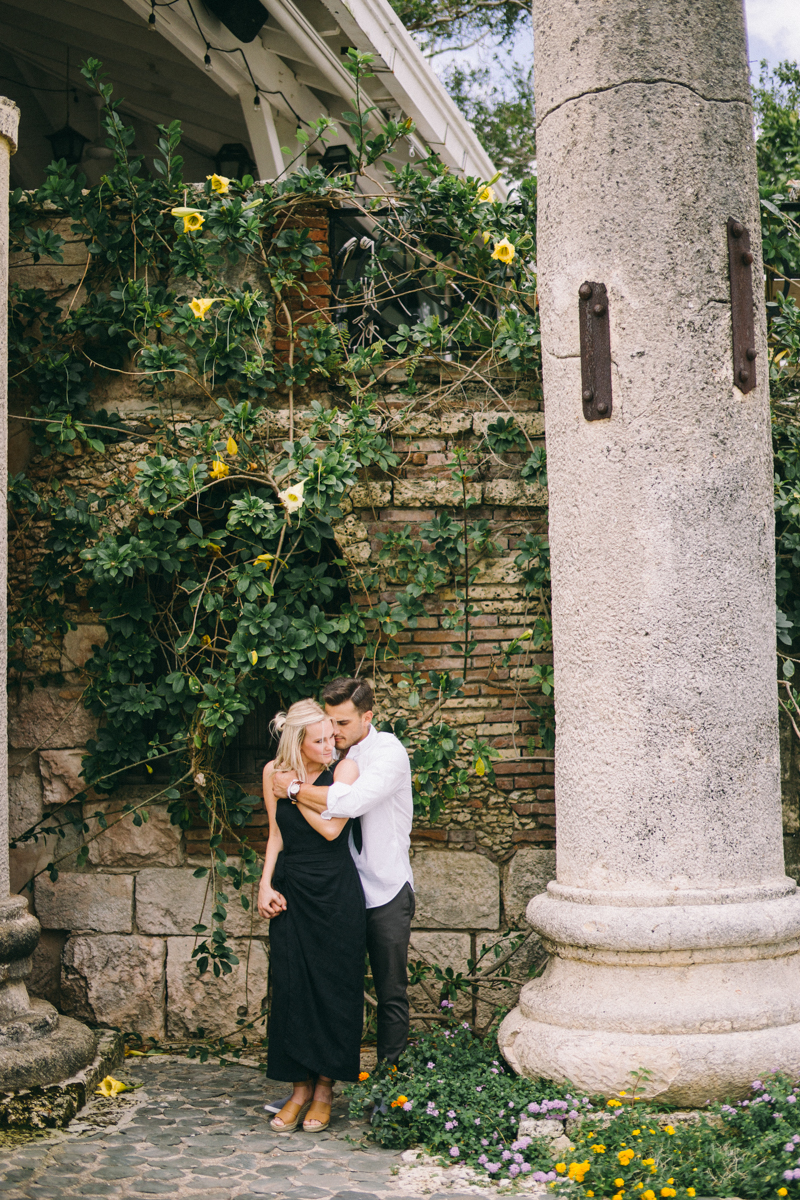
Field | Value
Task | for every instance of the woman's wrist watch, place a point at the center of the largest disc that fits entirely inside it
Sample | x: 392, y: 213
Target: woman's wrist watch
x: 293, y: 789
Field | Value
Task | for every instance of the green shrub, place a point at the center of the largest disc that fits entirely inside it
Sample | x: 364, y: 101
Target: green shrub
x: 454, y: 1096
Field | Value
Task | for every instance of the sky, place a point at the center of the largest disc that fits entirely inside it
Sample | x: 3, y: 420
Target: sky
x: 773, y: 30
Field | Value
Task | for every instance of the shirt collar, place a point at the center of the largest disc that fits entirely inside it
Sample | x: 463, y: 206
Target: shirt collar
x: 355, y: 751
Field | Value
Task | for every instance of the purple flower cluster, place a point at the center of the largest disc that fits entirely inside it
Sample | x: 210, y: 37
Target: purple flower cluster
x: 409, y: 1104
x: 521, y: 1144
x: 548, y: 1106
x: 544, y: 1176
x: 432, y: 1110
x: 447, y: 1004
x: 450, y: 1125
x: 454, y: 1151
x: 790, y: 1175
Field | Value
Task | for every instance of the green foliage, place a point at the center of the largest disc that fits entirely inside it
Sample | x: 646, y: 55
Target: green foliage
x: 461, y: 1095
x: 777, y: 104
x: 503, y: 116
x: 453, y: 1095
x: 219, y: 591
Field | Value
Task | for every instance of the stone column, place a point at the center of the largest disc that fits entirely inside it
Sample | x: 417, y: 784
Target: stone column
x: 37, y: 1046
x: 673, y: 928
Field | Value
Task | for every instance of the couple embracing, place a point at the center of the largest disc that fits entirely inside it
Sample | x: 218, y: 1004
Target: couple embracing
x: 337, y: 882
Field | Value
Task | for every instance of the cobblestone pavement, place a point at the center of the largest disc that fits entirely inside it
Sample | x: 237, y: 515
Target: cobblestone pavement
x: 200, y: 1130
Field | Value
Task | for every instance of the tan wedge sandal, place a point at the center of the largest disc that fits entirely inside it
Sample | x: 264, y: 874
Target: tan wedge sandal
x: 319, y: 1111
x: 290, y: 1116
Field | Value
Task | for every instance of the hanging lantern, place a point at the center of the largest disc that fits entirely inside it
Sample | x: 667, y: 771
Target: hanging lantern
x: 68, y: 144
x: 233, y: 161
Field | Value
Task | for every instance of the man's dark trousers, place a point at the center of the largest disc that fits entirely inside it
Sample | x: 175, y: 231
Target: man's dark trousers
x: 388, y: 933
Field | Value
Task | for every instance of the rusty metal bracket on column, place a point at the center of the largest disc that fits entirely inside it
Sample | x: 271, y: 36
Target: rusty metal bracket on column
x: 595, y: 351
x: 740, y: 260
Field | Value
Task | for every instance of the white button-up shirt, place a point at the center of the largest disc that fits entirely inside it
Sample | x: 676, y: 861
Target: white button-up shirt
x: 381, y: 797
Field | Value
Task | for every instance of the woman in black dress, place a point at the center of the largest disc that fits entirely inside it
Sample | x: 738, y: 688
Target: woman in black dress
x: 311, y: 892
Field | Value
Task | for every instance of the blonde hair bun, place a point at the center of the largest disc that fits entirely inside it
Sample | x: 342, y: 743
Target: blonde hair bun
x: 292, y: 727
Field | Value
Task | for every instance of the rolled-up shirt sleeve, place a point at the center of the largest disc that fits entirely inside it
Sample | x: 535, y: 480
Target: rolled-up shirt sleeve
x: 377, y: 781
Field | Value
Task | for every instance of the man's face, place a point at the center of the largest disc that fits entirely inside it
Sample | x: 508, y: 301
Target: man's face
x: 349, y: 725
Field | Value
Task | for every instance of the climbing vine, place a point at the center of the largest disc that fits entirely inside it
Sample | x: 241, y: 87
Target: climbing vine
x: 214, y: 564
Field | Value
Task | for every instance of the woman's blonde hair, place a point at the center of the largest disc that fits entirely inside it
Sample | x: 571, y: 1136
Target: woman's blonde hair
x: 292, y: 726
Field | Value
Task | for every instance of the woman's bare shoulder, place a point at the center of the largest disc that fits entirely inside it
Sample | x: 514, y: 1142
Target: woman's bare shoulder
x: 345, y: 771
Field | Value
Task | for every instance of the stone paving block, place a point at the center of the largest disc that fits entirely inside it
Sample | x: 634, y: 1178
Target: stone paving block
x: 455, y: 890
x: 204, y: 1001
x: 154, y: 843
x: 170, y: 902
x: 109, y: 979
x: 100, y: 902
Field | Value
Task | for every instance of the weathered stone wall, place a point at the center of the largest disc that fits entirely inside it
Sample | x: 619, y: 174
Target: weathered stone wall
x: 118, y: 930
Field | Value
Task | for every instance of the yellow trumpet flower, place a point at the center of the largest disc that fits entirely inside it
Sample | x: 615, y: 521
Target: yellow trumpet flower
x: 219, y: 469
x: 192, y: 218
x: 231, y: 447
x: 292, y: 498
x: 480, y: 766
x: 266, y: 559
x: 111, y: 1087
x: 254, y: 657
x: 200, y: 307
x: 503, y: 251
x: 219, y: 183
x: 486, y: 195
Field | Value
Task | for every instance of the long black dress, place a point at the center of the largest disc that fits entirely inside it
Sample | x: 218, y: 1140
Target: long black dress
x: 317, y: 949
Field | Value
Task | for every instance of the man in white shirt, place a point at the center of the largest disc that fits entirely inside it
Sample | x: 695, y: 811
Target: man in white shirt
x: 381, y: 799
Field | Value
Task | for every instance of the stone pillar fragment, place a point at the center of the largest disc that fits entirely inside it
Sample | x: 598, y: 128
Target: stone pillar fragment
x: 36, y: 1045
x: 673, y: 928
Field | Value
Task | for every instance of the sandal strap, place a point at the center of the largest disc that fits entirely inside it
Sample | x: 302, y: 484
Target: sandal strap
x: 289, y: 1112
x: 319, y: 1111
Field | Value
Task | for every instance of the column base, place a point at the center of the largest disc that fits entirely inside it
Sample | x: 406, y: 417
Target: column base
x: 63, y: 1050
x: 704, y: 998
x: 686, y: 1070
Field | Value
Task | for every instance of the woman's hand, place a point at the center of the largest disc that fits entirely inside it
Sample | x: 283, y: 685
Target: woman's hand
x: 270, y: 902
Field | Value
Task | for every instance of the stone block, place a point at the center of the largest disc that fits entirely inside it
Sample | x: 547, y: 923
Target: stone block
x: 110, y: 979
x: 368, y: 495
x: 456, y: 890
x: 540, y: 1128
x: 25, y: 795
x: 205, y: 1001
x: 430, y: 424
x: 531, y: 422
x: 61, y: 775
x: 103, y: 903
x: 77, y: 645
x: 444, y: 950
x: 528, y: 874
x: 50, y: 717
x: 44, y: 980
x: 154, y: 843
x: 514, y: 493
x: 170, y: 902
x: 429, y: 493
x: 497, y: 571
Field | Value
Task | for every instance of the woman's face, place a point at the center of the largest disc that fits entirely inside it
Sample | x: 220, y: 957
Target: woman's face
x: 318, y: 746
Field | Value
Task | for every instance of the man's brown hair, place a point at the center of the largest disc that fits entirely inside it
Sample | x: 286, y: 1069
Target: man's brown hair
x: 339, y: 691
